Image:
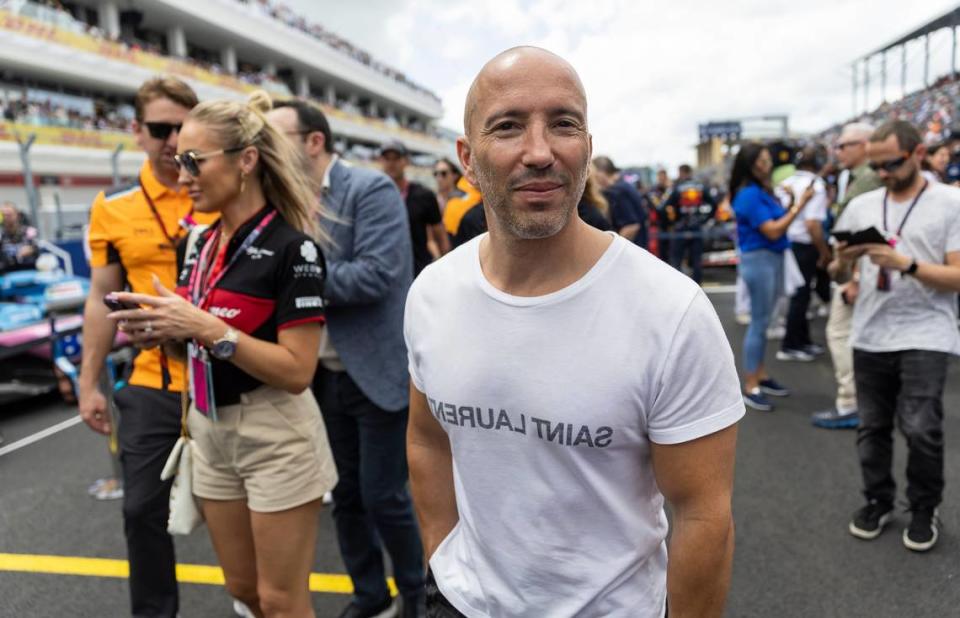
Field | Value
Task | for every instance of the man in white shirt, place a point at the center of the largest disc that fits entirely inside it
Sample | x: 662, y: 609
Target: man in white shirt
x: 904, y: 329
x: 564, y: 382
x: 810, y: 248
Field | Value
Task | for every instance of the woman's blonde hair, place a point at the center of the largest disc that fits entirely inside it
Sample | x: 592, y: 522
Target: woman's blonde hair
x: 592, y: 195
x: 281, y: 169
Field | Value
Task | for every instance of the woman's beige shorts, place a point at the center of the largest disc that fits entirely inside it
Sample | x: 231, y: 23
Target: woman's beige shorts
x: 270, y: 449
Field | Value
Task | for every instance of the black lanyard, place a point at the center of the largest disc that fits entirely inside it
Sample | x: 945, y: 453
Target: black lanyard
x: 909, y: 210
x: 156, y: 215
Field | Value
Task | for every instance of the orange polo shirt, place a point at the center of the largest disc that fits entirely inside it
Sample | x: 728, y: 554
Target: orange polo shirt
x: 125, y: 231
x: 458, y: 206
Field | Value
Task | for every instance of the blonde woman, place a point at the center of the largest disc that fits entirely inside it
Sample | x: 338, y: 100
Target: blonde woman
x: 249, y: 306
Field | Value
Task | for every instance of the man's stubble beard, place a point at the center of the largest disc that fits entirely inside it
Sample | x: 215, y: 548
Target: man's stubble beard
x: 898, y: 185
x: 526, y: 227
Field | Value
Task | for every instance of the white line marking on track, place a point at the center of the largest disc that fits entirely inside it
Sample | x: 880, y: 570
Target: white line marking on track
x: 719, y: 289
x: 40, y: 435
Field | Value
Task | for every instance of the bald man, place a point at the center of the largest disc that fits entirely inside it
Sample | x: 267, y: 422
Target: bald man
x: 563, y: 383
x: 851, y: 149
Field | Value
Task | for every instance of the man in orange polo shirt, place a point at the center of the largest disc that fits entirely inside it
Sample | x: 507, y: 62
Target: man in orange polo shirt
x: 457, y: 207
x: 133, y: 234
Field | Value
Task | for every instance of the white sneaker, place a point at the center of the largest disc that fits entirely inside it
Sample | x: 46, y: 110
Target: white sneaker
x: 776, y: 332
x: 240, y: 608
x: 795, y: 355
x: 743, y: 319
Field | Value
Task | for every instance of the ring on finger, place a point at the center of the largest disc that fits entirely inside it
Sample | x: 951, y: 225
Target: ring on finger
x: 149, y: 327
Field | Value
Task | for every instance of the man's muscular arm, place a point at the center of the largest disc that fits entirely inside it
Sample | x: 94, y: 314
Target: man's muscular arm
x: 696, y: 478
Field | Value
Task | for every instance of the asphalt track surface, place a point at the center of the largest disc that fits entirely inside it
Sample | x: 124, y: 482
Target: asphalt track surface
x: 796, y: 488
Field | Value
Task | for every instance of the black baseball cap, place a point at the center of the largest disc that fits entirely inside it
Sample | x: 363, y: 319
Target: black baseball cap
x: 394, y: 146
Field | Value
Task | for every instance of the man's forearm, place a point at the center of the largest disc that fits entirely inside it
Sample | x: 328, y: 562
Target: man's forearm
x: 840, y: 270
x: 630, y: 231
x: 699, y: 566
x: 942, y: 277
x: 98, y: 335
x: 431, y: 483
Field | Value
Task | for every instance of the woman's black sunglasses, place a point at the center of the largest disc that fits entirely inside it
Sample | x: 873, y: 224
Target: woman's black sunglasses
x: 162, y: 130
x: 190, y: 160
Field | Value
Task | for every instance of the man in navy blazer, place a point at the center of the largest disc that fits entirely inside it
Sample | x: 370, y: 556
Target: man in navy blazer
x: 362, y: 381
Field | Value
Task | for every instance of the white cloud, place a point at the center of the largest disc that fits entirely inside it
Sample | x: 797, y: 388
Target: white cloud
x: 654, y: 70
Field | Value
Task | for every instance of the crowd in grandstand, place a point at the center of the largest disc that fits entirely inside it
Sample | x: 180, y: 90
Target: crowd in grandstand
x: 69, y: 17
x: 282, y: 12
x: 933, y: 110
x: 43, y: 109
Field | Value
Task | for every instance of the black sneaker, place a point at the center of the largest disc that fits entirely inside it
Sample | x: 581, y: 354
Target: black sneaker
x: 869, y: 521
x: 773, y: 388
x: 387, y: 609
x: 923, y: 532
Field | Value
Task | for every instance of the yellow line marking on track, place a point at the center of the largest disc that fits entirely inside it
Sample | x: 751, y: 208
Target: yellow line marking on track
x: 186, y: 573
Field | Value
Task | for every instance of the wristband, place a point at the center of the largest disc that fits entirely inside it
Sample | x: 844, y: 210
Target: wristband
x: 912, y: 269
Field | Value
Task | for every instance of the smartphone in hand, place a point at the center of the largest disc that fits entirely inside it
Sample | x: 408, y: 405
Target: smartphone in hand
x: 114, y: 304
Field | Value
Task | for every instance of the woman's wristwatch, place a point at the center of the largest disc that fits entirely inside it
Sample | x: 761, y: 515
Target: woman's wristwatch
x: 912, y: 269
x: 225, y: 347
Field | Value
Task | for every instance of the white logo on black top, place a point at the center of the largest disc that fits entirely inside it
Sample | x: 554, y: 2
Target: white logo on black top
x: 309, y: 302
x: 256, y: 253
x: 226, y: 313
x: 309, y: 251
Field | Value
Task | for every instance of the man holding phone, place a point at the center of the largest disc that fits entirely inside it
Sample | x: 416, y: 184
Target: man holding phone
x: 904, y: 328
x: 133, y: 234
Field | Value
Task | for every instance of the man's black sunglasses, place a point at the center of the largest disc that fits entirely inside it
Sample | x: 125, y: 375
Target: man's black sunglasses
x: 889, y: 166
x: 162, y: 130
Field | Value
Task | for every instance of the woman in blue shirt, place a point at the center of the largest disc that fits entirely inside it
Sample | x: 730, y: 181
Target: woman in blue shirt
x: 762, y: 224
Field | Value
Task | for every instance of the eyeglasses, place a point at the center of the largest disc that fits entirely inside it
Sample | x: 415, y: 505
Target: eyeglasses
x: 440, y: 173
x: 190, y: 160
x: 889, y: 166
x: 162, y: 130
x: 843, y: 145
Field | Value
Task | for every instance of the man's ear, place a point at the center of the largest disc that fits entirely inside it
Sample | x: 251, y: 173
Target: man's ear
x: 921, y: 151
x: 136, y: 127
x: 316, y: 143
x: 465, y: 155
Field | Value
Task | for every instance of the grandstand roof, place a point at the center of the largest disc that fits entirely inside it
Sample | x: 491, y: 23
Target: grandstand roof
x: 948, y: 20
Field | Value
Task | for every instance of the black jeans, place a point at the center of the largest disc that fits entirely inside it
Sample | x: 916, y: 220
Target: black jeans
x: 688, y: 244
x: 798, y: 327
x: 149, y: 427
x: 437, y: 605
x: 371, y: 502
x: 907, y: 388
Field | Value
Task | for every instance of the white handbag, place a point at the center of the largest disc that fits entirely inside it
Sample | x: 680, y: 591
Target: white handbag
x: 185, y: 515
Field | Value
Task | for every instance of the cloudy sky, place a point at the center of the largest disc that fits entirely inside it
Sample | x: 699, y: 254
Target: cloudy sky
x: 653, y: 70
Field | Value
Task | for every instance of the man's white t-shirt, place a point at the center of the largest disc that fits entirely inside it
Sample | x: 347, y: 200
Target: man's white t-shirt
x: 910, y: 315
x: 815, y: 210
x: 550, y: 404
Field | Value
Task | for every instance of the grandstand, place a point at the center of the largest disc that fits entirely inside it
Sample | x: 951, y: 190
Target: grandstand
x: 934, y: 107
x: 68, y: 72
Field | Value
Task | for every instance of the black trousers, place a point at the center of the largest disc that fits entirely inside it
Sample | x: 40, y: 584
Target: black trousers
x: 149, y: 427
x: 798, y: 327
x: 371, y: 504
x: 905, y: 388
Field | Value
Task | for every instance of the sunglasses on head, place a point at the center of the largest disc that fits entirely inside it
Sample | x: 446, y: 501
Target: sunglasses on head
x: 889, y: 166
x: 190, y: 160
x: 162, y: 130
